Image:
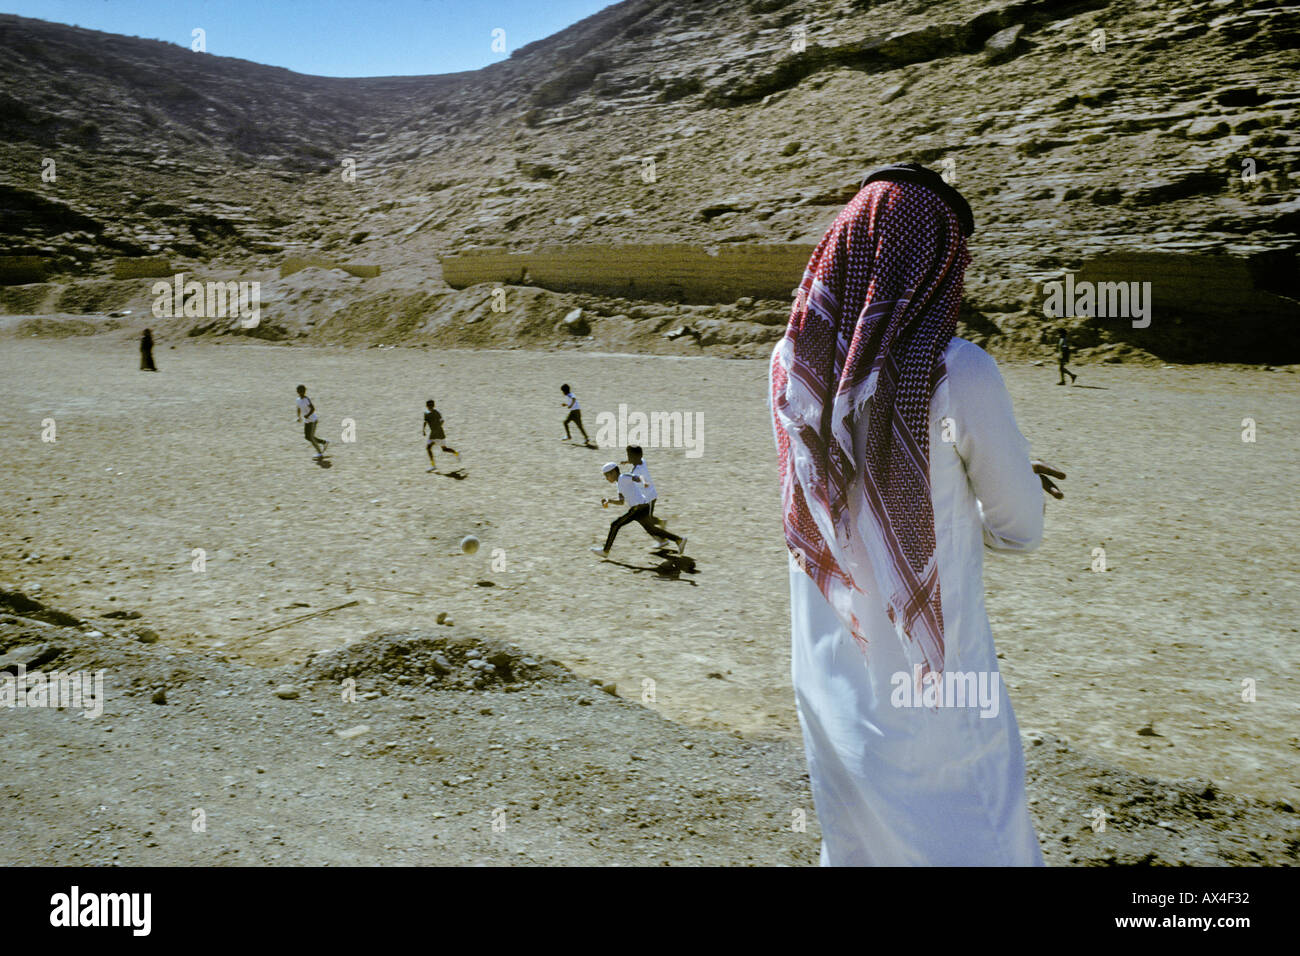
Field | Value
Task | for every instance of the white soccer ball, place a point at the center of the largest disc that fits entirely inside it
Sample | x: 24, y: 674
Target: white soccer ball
x: 469, y: 544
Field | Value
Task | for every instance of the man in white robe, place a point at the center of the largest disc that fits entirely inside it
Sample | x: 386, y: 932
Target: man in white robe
x: 913, y: 749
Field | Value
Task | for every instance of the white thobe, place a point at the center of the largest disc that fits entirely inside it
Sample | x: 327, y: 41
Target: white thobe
x: 915, y: 785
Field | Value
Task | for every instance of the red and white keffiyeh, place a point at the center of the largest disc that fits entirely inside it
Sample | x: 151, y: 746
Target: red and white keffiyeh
x: 875, y: 310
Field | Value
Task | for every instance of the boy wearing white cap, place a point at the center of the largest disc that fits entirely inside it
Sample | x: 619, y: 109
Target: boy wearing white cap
x: 631, y: 492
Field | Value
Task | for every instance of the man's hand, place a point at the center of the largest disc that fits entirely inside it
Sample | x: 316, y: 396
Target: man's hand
x: 1046, y: 473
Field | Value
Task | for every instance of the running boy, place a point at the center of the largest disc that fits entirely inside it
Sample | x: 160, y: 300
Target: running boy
x: 630, y: 493
x: 575, y: 414
x: 307, y: 415
x: 642, y: 474
x: 433, y: 424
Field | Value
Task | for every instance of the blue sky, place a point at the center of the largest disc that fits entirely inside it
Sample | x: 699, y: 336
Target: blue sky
x: 329, y: 37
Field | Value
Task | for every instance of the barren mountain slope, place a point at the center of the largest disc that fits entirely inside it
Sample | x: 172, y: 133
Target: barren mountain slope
x: 1075, y: 127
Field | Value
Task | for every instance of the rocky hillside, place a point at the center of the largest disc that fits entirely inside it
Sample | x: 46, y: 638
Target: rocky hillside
x: 1076, y: 127
x: 156, y: 148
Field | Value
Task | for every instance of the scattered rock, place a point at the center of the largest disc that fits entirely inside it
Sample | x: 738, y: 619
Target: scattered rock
x: 30, y: 656
x: 1004, y: 44
x: 1207, y: 127
x: 576, y: 324
x: 892, y: 93
x: 286, y: 692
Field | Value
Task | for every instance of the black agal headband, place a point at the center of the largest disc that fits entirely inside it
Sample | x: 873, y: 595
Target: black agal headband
x: 916, y: 173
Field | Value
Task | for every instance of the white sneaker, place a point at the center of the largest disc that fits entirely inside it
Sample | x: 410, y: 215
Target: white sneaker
x: 430, y: 470
x: 600, y: 551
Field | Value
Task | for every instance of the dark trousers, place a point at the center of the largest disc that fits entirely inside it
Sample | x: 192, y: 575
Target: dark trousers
x: 574, y: 416
x: 641, y: 515
x: 146, y: 360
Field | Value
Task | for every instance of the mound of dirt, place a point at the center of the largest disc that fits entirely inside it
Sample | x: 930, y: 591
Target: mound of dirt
x: 448, y: 661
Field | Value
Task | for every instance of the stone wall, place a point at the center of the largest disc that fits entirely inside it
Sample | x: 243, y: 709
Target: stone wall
x: 298, y: 263
x: 19, y: 270
x: 1217, y: 307
x: 672, y: 272
x: 142, y: 268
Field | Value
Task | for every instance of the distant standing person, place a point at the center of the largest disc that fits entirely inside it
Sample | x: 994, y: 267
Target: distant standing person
x: 146, y: 352
x: 575, y: 414
x: 630, y: 493
x: 307, y: 415
x: 433, y: 425
x: 1062, y: 357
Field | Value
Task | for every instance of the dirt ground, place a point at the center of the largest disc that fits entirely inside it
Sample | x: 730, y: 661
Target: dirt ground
x: 441, y: 748
x: 1199, y: 528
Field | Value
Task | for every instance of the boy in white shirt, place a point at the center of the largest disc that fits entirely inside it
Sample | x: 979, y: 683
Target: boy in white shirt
x: 575, y: 414
x: 307, y: 415
x: 630, y: 492
x: 642, y: 474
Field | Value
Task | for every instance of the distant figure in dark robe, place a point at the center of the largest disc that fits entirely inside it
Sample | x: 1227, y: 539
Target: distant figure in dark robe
x: 146, y: 352
x: 1063, y: 357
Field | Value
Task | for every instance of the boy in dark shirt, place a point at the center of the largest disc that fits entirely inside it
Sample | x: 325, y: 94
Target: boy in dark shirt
x: 1062, y: 358
x: 433, y: 425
